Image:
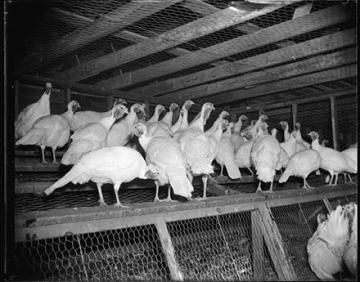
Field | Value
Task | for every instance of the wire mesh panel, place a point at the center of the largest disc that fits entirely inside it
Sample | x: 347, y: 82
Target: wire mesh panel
x: 125, y: 254
x: 297, y: 223
x: 346, y: 107
x: 342, y: 200
x: 214, y: 248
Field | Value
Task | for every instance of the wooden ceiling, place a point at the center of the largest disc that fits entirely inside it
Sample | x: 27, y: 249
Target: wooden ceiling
x: 204, y: 50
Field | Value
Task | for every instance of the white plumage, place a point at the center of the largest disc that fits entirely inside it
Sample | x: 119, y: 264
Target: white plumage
x: 301, y: 144
x: 114, y: 165
x: 91, y: 136
x: 32, y: 112
x: 165, y: 155
x: 284, y: 157
x: 82, y: 118
x: 226, y: 154
x: 302, y: 164
x: 326, y: 247
x: 350, y: 252
x: 182, y: 121
x: 236, y: 139
x: 50, y: 131
x: 121, y: 132
x: 290, y: 144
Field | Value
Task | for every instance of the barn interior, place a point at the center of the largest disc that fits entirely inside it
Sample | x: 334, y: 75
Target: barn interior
x: 292, y: 60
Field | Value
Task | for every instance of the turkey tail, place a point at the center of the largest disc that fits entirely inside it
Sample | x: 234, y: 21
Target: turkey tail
x: 33, y: 137
x: 286, y: 174
x: 336, y: 231
x: 76, y: 150
x: 68, y: 177
x: 180, y: 183
x: 232, y: 169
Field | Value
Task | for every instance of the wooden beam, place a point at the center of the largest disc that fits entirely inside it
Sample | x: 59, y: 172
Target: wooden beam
x: 298, y: 51
x: 257, y: 246
x: 275, y: 244
x: 334, y: 122
x: 125, y: 15
x: 245, y: 81
x: 79, y: 21
x: 336, y: 93
x: 168, y: 250
x: 272, y: 34
x: 195, y: 29
x: 284, y: 85
x: 16, y: 97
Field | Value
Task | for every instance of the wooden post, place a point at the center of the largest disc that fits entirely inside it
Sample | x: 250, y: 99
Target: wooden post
x: 168, y: 248
x: 294, y: 113
x: 67, y: 95
x: 109, y: 102
x: 16, y: 102
x: 274, y: 242
x: 333, y: 121
x: 147, y: 109
x: 258, y: 246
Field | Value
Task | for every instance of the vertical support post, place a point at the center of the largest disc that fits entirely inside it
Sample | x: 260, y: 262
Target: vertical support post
x: 67, y: 95
x: 257, y: 246
x: 147, y: 108
x: 16, y: 102
x: 168, y: 248
x: 333, y: 121
x: 109, y: 102
x: 294, y: 113
x: 274, y: 242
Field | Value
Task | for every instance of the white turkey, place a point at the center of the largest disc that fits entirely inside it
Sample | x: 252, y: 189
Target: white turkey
x: 27, y: 117
x: 114, y: 165
x: 236, y: 139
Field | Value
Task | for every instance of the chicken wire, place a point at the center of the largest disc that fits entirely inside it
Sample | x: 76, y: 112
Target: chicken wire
x: 126, y: 254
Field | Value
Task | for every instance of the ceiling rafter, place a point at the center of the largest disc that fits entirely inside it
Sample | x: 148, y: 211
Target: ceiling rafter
x: 314, y: 21
x: 107, y: 24
x: 184, y: 33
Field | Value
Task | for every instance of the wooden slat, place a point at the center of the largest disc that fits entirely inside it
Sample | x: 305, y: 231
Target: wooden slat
x: 56, y: 223
x: 294, y: 113
x: 304, y: 49
x: 313, y: 64
x: 336, y: 93
x: 107, y: 24
x: 334, y: 121
x: 258, y: 246
x: 168, y: 249
x: 275, y: 244
x: 284, y: 85
x: 79, y: 21
x: 272, y: 34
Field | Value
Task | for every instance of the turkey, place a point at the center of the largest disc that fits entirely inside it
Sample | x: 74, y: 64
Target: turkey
x: 285, y: 127
x: 327, y: 245
x: 32, y: 112
x: 91, y: 136
x: 265, y: 155
x: 226, y: 154
x: 302, y: 164
x: 331, y: 160
x: 284, y: 157
x: 351, y: 157
x: 50, y: 131
x: 242, y: 155
x: 290, y: 144
x: 165, y: 155
x: 236, y: 139
x: 167, y: 120
x: 301, y: 144
x: 82, y: 118
x: 198, y: 149
x: 350, y: 252
x: 157, y: 127
x: 122, y: 131
x: 114, y: 165
x: 157, y: 112
x: 182, y: 122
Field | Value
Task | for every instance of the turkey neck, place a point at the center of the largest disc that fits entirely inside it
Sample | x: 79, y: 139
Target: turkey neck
x: 145, y: 140
x: 68, y: 115
x: 131, y: 117
x: 199, y: 122
x: 217, y: 134
x: 184, y: 120
x: 168, y: 117
x: 45, y: 100
x: 316, y: 145
x: 238, y: 126
x: 155, y: 116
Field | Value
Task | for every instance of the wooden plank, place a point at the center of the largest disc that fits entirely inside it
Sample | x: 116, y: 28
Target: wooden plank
x: 304, y: 49
x: 336, y: 93
x: 195, y: 29
x: 294, y: 113
x: 56, y: 223
x: 327, y: 205
x: 168, y: 250
x: 79, y: 21
x: 272, y: 34
x: 283, y: 85
x: 125, y: 15
x: 253, y: 79
x: 257, y: 246
x: 334, y: 121
x: 302, y: 10
x: 275, y: 245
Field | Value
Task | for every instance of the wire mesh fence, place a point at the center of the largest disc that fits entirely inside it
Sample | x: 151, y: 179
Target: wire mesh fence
x: 225, y: 246
x: 347, y: 123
